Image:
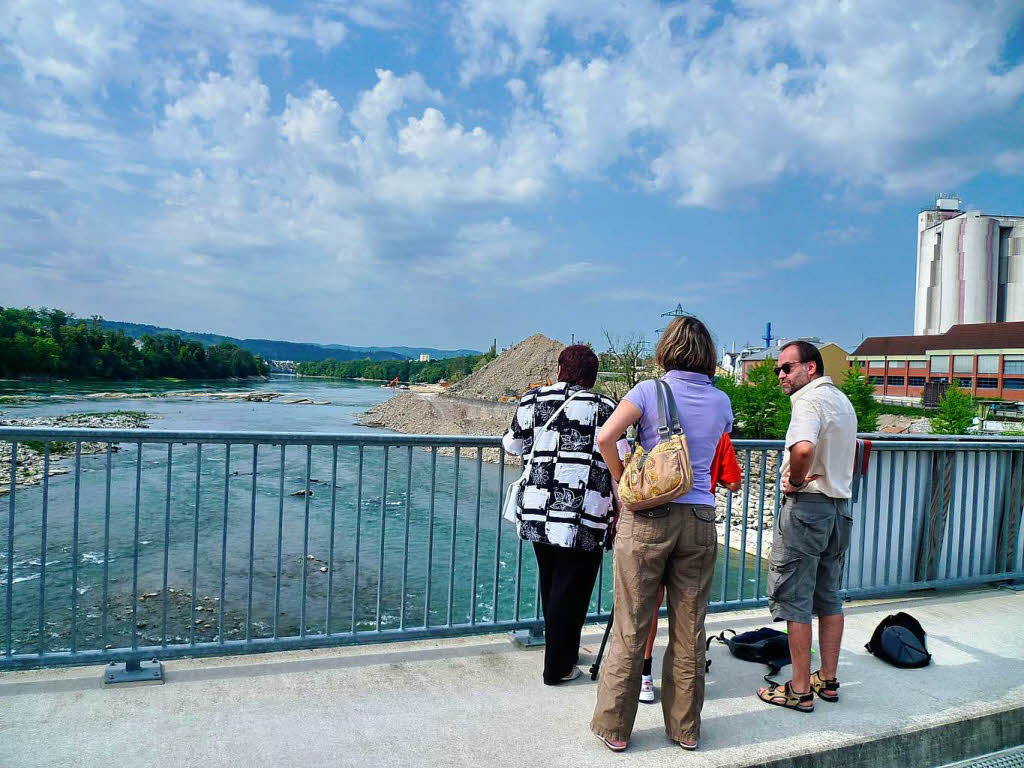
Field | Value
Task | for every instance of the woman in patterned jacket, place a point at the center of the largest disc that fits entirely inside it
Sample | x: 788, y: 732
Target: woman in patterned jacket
x: 565, y: 506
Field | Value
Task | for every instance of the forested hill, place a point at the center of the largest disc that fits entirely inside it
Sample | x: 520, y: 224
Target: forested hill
x: 270, y: 349
x: 44, y: 342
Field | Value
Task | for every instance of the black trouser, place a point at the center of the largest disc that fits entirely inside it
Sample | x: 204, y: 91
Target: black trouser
x: 566, y: 582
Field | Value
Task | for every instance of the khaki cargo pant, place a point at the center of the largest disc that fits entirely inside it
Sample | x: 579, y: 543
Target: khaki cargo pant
x: 679, y: 549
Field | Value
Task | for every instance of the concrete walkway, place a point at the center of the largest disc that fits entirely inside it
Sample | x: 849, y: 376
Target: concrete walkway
x: 479, y: 702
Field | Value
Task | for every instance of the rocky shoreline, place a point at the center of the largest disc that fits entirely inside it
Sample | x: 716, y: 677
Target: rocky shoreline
x: 31, y: 454
x: 254, y: 396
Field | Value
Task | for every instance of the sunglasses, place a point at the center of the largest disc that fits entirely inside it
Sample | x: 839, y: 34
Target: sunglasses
x: 786, y: 368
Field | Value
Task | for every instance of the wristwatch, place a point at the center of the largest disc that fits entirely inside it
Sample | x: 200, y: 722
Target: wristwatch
x: 797, y: 485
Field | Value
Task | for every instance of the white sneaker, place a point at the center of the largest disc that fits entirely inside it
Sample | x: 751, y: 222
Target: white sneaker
x: 647, y: 689
x: 573, y: 674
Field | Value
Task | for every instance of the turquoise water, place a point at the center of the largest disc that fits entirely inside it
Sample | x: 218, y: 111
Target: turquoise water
x: 450, y: 557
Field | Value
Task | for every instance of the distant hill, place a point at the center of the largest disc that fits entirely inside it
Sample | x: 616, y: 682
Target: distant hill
x: 270, y: 349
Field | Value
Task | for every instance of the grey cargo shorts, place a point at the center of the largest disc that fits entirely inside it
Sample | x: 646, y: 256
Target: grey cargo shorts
x: 805, y: 570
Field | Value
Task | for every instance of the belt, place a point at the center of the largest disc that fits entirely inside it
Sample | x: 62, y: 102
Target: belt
x: 813, y: 498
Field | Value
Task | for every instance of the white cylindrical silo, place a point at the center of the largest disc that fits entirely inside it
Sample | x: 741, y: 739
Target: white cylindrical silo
x: 1015, y: 275
x: 949, y: 274
x: 979, y: 265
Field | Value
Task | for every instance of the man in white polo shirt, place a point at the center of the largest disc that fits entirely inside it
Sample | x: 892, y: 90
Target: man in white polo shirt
x: 812, y: 529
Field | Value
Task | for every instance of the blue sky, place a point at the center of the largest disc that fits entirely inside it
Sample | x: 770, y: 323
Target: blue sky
x: 442, y: 174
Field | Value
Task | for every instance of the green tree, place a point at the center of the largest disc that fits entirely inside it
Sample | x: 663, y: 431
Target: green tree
x: 956, y: 413
x: 624, y: 363
x: 759, y: 406
x: 861, y: 392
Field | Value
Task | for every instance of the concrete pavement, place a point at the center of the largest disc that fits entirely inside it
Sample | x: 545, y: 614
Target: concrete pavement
x: 479, y: 701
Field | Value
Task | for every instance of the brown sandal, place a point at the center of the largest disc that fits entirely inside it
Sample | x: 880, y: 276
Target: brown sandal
x: 827, y: 690
x: 784, y: 696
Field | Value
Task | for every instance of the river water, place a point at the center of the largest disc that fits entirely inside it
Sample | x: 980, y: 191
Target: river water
x: 427, y: 548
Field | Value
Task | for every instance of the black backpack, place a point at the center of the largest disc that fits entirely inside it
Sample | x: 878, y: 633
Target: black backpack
x: 764, y: 646
x: 899, y: 640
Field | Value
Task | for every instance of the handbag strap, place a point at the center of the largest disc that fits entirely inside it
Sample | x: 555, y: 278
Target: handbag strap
x: 670, y: 424
x: 529, y: 459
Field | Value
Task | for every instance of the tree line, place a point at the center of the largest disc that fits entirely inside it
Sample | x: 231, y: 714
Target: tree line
x: 430, y: 372
x: 45, y: 342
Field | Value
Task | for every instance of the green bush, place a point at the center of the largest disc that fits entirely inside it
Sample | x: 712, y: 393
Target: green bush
x: 861, y: 392
x: 760, y: 408
x: 956, y: 413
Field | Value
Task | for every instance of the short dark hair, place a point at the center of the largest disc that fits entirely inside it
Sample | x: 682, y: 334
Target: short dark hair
x: 578, y: 365
x: 686, y: 345
x: 808, y: 354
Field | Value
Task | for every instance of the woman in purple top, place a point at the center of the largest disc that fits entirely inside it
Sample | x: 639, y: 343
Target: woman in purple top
x: 674, y: 545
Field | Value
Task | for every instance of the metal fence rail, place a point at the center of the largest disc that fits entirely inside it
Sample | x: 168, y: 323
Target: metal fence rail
x: 124, y: 545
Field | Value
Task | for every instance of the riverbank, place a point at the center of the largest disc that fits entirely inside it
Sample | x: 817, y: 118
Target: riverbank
x: 31, y: 454
x: 254, y: 396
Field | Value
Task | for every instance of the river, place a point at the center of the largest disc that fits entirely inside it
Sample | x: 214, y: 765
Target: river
x: 365, y: 568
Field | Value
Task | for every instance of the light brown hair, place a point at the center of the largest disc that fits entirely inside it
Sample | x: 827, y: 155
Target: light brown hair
x: 686, y: 345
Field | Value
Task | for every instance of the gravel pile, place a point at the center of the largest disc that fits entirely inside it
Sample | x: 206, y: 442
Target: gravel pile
x: 532, y: 360
x: 410, y: 413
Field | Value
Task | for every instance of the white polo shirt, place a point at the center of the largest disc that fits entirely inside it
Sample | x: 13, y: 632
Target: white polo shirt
x: 823, y: 415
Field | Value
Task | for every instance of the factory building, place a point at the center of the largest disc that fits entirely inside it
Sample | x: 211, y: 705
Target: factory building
x: 985, y: 359
x: 970, y: 268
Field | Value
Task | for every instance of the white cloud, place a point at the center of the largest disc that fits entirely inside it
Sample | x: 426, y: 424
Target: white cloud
x: 1010, y: 162
x: 328, y: 33
x: 863, y: 94
x: 794, y: 260
x: 313, y: 120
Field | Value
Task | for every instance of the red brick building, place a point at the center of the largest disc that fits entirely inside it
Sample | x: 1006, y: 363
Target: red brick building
x: 985, y: 359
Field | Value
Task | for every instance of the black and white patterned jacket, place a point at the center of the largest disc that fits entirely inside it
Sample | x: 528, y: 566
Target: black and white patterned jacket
x: 567, y: 500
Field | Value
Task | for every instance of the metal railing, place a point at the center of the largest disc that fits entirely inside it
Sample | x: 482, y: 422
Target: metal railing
x: 121, y: 545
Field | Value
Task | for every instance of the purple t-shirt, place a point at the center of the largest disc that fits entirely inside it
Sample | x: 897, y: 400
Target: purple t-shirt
x: 705, y: 413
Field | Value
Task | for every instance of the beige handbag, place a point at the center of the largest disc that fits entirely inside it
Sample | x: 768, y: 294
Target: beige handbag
x: 665, y: 473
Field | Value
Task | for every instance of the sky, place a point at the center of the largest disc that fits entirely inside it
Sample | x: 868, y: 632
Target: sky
x: 376, y: 172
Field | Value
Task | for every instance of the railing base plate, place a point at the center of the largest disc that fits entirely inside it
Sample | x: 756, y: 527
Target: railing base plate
x: 1013, y: 586
x: 129, y: 674
x: 528, y: 638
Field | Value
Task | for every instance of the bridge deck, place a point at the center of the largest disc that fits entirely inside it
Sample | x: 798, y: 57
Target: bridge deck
x: 479, y: 701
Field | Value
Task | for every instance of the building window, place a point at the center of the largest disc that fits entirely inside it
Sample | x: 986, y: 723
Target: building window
x: 877, y: 380
x: 917, y: 381
x: 895, y: 381
x: 939, y: 363
x: 1013, y: 364
x: 964, y: 382
x: 988, y: 363
x: 876, y: 364
x: 1013, y: 383
x: 963, y: 363
x: 918, y: 364
x: 897, y: 363
x: 940, y: 379
x: 987, y: 383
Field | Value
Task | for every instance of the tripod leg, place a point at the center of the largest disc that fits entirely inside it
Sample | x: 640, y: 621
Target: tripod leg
x: 604, y: 641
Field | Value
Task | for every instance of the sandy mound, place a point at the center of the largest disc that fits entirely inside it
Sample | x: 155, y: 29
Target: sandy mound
x: 510, y: 374
x: 430, y: 415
